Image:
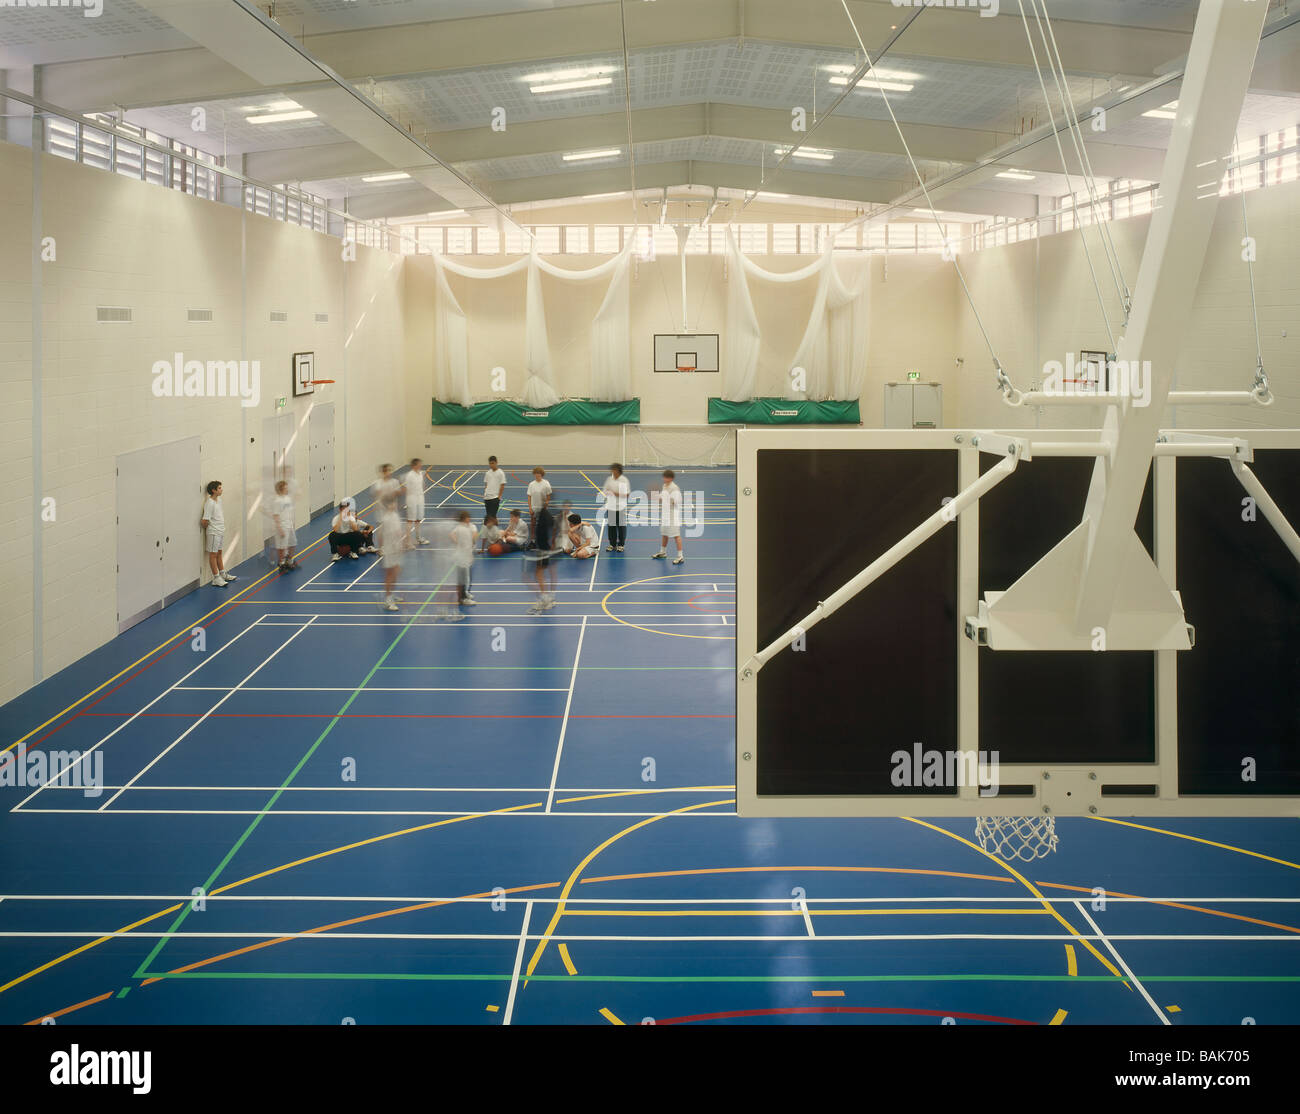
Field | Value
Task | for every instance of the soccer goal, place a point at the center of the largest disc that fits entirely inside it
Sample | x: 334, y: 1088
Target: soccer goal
x: 679, y: 446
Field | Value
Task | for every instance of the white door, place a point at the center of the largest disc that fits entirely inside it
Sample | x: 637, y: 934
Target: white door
x: 898, y: 405
x: 182, y: 507
x: 320, y: 457
x: 140, y: 536
x: 927, y: 406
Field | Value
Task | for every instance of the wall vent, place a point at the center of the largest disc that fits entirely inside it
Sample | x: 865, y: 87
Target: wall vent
x: 199, y: 315
x: 279, y: 315
x: 321, y: 318
x: 113, y: 313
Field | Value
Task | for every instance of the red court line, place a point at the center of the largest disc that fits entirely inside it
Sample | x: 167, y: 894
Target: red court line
x: 709, y: 611
x: 725, y: 1015
x: 127, y: 680
x: 400, y: 715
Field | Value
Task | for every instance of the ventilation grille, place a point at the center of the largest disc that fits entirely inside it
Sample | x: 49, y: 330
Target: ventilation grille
x: 112, y: 313
x: 200, y: 315
x: 279, y: 315
x: 321, y: 318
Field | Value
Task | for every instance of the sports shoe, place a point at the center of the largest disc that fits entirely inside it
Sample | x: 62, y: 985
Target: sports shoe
x: 619, y: 548
x: 388, y: 605
x: 609, y: 549
x: 291, y: 566
x: 469, y: 601
x: 679, y: 560
x: 218, y: 582
x: 228, y: 575
x: 455, y: 617
x: 659, y: 556
x: 536, y: 609
x: 353, y: 556
x: 336, y: 556
x: 550, y: 602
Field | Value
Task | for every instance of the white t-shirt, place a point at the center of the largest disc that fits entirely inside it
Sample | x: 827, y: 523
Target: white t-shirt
x: 538, y: 492
x: 282, y: 509
x: 390, y: 534
x: 462, y: 537
x: 414, y: 484
x: 493, y: 481
x: 586, y: 535
x: 346, y: 522
x: 385, y: 487
x: 670, y: 506
x: 215, y: 515
x: 517, y: 532
x: 491, y: 534
x: 616, y: 493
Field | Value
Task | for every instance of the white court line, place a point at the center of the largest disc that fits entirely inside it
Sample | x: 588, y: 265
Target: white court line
x: 229, y: 693
x: 519, y: 956
x: 911, y: 937
x: 353, y: 688
x: 207, y: 658
x: 1164, y: 1018
x: 429, y: 789
x: 342, y: 812
x: 807, y: 920
x: 403, y: 900
x: 564, y: 725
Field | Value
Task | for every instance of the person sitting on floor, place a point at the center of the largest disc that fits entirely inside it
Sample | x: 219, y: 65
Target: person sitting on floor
x: 490, y: 534
x: 350, y: 532
x: 516, y: 535
x: 582, y: 541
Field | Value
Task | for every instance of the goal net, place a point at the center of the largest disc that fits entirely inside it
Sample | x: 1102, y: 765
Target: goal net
x: 679, y: 446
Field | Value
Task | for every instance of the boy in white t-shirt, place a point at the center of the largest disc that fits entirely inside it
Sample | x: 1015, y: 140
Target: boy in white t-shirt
x: 214, y: 522
x: 494, y: 483
x: 516, y: 535
x: 387, y: 485
x: 616, y: 490
x: 539, y: 498
x: 490, y: 535
x: 670, y: 517
x: 414, y: 485
x: 392, y: 543
x: 583, y: 542
x: 286, y: 537
x: 462, y: 540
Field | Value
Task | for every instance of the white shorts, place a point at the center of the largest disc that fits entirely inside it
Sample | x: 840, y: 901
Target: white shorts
x: 286, y: 539
x: 670, y: 531
x: 214, y: 542
x: 391, y: 558
x: 414, y: 511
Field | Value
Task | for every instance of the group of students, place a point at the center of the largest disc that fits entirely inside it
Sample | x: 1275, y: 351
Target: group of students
x: 541, y: 539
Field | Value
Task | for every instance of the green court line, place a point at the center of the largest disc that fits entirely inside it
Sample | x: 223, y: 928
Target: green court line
x: 266, y: 808
x: 429, y: 977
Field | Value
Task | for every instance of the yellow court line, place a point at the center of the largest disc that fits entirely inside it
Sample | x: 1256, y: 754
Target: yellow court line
x: 253, y: 878
x: 610, y: 1017
x: 1061, y: 1015
x: 179, y: 634
x: 642, y: 792
x: 1071, y: 960
x: 568, y: 962
x: 799, y: 913
x: 1197, y: 839
x: 577, y: 870
x: 1030, y: 887
x: 590, y: 481
x: 604, y: 605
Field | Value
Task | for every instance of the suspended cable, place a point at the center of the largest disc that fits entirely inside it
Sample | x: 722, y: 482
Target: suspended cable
x: 1004, y: 384
x: 1065, y: 170
x: 1260, y: 388
x: 627, y: 103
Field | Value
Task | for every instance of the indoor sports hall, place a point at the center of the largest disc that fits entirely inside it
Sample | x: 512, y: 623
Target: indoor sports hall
x: 675, y: 512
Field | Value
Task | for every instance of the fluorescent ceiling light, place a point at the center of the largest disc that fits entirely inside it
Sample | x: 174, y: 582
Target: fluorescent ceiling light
x: 570, y: 86
x: 1164, y: 112
x: 807, y: 153
x: 568, y: 75
x: 448, y: 213
x: 1016, y: 175
x: 385, y: 177
x: 603, y: 153
x: 597, y: 196
x: 280, y: 117
x: 272, y: 106
x: 880, y: 72
x: 764, y: 193
x: 869, y: 84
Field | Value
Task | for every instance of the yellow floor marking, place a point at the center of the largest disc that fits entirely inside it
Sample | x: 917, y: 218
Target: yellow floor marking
x: 635, y: 792
x: 493, y: 1009
x: 1030, y: 887
x: 568, y: 963
x: 1071, y: 960
x: 1196, y: 839
x: 828, y: 994
x: 1061, y: 1015
x: 610, y: 1017
x: 590, y: 481
x: 799, y: 913
x: 577, y: 870
x: 1174, y: 1009
x: 604, y: 605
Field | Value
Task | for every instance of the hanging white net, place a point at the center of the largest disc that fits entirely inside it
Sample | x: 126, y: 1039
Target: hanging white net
x: 1017, y: 837
x: 679, y: 446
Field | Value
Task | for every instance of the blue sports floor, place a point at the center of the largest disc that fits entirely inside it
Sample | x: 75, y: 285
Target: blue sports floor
x: 528, y: 820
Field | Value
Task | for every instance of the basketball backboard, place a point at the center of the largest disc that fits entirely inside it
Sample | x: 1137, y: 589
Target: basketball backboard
x: 686, y: 352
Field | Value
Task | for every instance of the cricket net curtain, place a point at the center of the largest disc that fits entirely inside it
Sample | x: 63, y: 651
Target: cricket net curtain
x: 611, y: 366
x: 833, y: 350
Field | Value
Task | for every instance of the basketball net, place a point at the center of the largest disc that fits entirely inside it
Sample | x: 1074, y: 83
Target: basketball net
x: 1017, y: 837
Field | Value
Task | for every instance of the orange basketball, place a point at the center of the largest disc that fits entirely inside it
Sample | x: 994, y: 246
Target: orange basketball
x: 496, y: 549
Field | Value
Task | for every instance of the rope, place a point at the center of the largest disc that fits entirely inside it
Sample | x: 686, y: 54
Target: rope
x: 1260, y: 388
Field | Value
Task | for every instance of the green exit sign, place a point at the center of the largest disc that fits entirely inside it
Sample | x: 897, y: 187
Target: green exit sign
x: 281, y: 403
x: 914, y: 375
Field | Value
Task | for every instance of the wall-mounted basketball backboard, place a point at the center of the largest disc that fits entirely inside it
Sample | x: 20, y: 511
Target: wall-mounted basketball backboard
x: 686, y: 352
x: 896, y: 704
